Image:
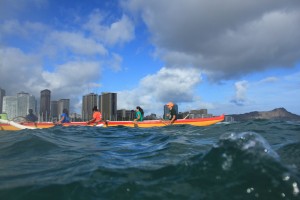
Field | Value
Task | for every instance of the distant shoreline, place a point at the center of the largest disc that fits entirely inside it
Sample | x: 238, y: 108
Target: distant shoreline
x: 275, y: 114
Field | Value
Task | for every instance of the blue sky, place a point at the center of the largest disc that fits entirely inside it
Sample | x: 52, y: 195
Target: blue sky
x: 231, y: 58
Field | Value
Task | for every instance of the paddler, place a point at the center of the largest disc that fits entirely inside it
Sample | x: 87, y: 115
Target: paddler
x: 97, y: 116
x: 172, y: 114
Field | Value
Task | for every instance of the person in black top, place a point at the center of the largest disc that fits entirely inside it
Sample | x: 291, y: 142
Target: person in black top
x: 172, y: 115
x: 31, y: 117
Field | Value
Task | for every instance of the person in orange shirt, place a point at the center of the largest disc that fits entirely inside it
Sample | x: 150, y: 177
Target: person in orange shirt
x: 97, y: 116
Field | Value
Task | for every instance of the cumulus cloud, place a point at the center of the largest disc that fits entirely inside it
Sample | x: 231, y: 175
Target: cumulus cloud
x: 62, y: 78
x: 227, y: 40
x: 172, y: 84
x: 18, y: 68
x: 71, y: 79
x: 118, y: 32
x: 240, y: 93
x: 166, y: 85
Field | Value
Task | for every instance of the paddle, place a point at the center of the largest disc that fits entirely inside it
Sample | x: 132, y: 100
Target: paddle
x: 187, y: 116
x: 12, y: 123
x: 99, y: 125
x: 163, y: 121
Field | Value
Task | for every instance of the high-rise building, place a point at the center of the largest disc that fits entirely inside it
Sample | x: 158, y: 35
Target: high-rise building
x: 10, y: 106
x: 198, y: 113
x: 125, y: 115
x: 108, y: 105
x: 2, y: 94
x: 167, y: 110
x: 45, y: 105
x: 62, y: 104
x: 57, y: 108
x: 88, y: 102
x: 25, y: 101
x: 54, y: 110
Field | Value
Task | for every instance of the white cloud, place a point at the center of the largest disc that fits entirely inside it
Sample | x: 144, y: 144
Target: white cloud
x: 172, y: 84
x: 19, y: 69
x: 240, y: 93
x: 269, y: 80
x: 25, y: 29
x: 75, y: 42
x: 118, y: 32
x: 166, y: 85
x: 72, y: 74
x: 72, y: 80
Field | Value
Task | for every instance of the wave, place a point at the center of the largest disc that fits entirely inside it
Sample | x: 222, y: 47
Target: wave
x: 290, y: 155
x: 249, y: 160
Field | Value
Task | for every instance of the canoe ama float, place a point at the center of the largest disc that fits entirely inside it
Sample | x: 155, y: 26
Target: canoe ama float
x: 12, y: 126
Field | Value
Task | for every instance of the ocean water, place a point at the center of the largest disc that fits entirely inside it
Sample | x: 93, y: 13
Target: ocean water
x: 257, y: 159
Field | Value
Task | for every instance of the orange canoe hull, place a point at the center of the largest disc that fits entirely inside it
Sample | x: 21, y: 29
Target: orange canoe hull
x: 143, y: 124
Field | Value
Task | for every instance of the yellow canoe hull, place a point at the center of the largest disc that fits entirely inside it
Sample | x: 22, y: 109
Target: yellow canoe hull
x: 12, y: 126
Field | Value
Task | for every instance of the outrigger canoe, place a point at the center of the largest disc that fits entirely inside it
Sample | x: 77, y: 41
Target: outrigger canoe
x: 13, y: 126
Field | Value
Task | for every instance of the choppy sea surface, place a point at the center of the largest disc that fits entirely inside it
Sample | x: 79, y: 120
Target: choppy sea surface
x: 257, y: 159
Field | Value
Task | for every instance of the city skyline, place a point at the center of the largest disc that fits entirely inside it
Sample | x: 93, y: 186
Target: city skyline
x: 20, y: 104
x: 66, y: 98
x: 50, y: 109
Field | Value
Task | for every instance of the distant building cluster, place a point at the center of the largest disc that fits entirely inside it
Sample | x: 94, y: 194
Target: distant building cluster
x: 51, y: 110
x: 19, y: 105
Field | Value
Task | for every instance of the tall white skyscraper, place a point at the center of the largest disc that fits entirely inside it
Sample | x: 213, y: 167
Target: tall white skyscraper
x: 25, y: 101
x: 62, y: 104
x: 10, y: 106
